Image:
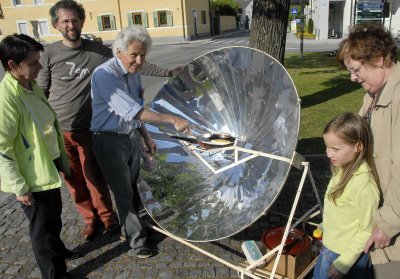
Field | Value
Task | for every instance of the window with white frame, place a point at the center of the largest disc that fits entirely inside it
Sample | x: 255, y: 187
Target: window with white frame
x: 203, y: 17
x: 106, y: 22
x: 43, y: 27
x: 17, y: 2
x: 38, y: 2
x: 162, y: 18
x: 23, y: 27
x: 138, y: 18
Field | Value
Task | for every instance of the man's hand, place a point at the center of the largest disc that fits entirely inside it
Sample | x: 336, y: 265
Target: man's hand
x: 151, y: 145
x: 26, y: 199
x: 333, y: 273
x: 181, y: 125
x: 379, y: 238
x: 176, y: 71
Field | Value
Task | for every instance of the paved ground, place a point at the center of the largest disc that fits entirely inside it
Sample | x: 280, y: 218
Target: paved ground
x: 107, y: 257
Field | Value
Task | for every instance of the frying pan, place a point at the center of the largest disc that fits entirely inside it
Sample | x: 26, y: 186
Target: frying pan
x: 207, y: 141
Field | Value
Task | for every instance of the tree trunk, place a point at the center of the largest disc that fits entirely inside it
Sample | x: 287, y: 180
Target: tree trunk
x: 268, y: 27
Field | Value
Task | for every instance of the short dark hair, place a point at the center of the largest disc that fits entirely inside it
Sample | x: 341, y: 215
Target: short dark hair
x: 16, y: 47
x: 67, y: 5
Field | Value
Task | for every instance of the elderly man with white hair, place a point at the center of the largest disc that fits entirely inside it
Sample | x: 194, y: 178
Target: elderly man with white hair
x: 117, y: 113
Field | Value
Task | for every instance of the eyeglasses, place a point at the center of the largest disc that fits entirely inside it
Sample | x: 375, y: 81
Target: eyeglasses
x: 356, y: 71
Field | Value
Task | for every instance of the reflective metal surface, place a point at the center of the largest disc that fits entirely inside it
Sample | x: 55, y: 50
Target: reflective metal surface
x: 205, y: 195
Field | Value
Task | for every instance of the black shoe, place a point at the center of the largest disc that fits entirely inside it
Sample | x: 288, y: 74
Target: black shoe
x: 88, y: 231
x: 71, y: 255
x: 122, y: 238
x: 143, y: 253
x: 67, y: 276
x: 111, y: 226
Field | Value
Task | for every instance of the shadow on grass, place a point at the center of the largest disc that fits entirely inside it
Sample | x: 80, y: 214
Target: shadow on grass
x: 317, y: 63
x: 311, y: 146
x: 337, y: 87
x: 310, y: 60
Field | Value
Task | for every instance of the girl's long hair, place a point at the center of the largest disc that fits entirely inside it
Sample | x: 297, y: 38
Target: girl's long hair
x: 353, y: 129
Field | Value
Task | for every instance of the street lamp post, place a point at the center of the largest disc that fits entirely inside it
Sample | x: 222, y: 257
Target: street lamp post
x: 302, y: 30
x: 119, y: 15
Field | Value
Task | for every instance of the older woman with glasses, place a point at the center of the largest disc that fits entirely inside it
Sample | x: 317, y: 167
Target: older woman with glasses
x: 369, y: 53
x: 32, y: 152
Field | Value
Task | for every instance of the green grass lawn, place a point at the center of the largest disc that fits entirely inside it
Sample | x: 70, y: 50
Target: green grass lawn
x: 325, y: 91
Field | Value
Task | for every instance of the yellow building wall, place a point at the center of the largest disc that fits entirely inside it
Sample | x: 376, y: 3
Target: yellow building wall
x: 149, y: 7
x: 28, y: 12
x: 96, y: 8
x: 227, y: 23
x: 198, y: 6
x: 182, y: 17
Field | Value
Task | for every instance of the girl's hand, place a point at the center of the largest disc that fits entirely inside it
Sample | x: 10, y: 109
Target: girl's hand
x: 26, y: 199
x: 333, y: 273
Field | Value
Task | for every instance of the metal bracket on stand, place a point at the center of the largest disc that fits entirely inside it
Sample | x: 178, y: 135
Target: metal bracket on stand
x: 250, y: 270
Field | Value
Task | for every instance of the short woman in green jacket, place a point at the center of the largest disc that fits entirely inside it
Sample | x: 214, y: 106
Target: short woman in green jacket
x: 32, y: 152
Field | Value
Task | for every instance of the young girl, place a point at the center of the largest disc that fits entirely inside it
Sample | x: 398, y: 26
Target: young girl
x: 351, y: 199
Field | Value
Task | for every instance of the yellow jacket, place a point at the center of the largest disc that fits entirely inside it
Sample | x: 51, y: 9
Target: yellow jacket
x: 347, y: 225
x: 25, y: 163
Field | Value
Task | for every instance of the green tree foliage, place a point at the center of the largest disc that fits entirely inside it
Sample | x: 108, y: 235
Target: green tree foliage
x: 225, y: 7
x: 310, y: 26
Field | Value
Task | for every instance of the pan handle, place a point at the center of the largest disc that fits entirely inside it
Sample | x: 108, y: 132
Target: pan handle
x: 188, y: 139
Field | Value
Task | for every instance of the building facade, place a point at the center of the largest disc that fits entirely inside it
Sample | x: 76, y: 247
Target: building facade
x: 177, y: 20
x: 334, y: 18
x: 247, y: 11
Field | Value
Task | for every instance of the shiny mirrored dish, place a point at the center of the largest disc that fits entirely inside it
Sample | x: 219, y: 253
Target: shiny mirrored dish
x: 205, y: 194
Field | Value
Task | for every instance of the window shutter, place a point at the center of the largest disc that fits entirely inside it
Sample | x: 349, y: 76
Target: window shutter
x: 155, y: 18
x: 145, y: 22
x: 169, y: 18
x: 130, y: 20
x: 100, y: 23
x: 112, y: 22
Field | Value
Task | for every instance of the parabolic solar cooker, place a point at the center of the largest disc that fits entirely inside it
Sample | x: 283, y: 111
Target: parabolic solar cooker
x: 244, y: 113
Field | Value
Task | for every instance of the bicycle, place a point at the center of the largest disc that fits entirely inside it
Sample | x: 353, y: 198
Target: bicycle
x: 397, y: 37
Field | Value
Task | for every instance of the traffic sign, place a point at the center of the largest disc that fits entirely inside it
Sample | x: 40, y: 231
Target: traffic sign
x: 294, y: 11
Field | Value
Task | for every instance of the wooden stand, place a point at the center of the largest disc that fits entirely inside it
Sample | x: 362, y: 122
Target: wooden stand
x: 262, y: 273
x: 251, y: 270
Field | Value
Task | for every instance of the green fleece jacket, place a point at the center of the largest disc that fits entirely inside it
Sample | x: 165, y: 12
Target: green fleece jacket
x: 25, y: 163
